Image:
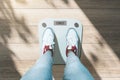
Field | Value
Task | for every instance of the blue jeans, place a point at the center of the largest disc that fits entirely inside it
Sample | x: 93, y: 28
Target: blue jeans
x: 42, y: 70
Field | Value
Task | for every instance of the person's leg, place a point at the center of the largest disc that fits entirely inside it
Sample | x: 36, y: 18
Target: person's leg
x: 74, y: 69
x: 42, y: 70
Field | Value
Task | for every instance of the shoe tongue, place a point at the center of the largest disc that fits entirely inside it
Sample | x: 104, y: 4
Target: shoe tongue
x: 48, y: 42
x: 72, y: 41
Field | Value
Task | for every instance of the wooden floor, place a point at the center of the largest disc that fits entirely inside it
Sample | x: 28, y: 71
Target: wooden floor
x: 19, y: 47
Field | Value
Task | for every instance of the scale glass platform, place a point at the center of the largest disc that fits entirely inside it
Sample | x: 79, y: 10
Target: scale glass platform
x: 60, y: 28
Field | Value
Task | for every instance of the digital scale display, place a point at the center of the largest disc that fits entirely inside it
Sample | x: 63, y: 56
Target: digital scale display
x: 60, y: 23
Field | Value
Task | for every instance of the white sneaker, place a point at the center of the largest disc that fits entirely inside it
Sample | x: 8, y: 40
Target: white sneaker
x: 48, y: 40
x: 72, y: 41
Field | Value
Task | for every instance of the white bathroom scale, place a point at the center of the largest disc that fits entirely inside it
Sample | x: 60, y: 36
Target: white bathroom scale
x: 60, y: 28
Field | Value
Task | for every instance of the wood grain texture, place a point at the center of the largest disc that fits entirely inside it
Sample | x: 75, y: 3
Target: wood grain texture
x: 19, y: 46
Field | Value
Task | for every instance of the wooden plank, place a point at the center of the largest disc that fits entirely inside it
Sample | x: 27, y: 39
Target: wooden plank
x: 86, y: 16
x: 60, y: 4
x: 19, y: 51
x: 104, y: 72
x: 91, y: 34
x: 95, y: 4
x: 31, y: 52
x: 38, y: 4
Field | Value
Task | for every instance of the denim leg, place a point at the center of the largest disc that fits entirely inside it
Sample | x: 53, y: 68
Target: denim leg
x: 75, y: 70
x: 42, y: 70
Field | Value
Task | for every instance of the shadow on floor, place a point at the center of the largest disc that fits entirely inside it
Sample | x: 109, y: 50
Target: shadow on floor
x: 89, y: 66
x: 8, y: 69
x: 9, y: 22
x: 104, y: 15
